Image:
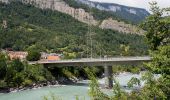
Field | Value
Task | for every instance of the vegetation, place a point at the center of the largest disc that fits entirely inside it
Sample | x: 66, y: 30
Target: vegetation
x: 16, y: 73
x: 157, y: 29
x: 159, y: 40
x: 36, y: 30
x: 155, y: 88
x: 49, y: 31
x: 101, y: 15
x: 3, y: 65
x: 98, y: 14
x: 128, y: 68
x: 33, y: 54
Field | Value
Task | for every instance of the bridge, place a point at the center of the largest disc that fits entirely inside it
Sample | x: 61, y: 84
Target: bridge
x: 95, y: 61
x: 106, y: 62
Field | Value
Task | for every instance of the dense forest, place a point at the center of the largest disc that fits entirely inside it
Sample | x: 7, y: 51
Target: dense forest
x: 52, y: 31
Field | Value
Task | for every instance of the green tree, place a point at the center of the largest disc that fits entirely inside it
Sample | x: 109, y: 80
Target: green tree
x: 17, y: 65
x: 125, y: 50
x: 14, y: 75
x: 18, y: 79
x: 158, y: 36
x: 95, y: 92
x: 3, y: 65
x: 157, y: 29
x: 33, y: 55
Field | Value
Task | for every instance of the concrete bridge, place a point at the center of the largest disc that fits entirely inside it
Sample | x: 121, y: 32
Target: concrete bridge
x: 107, y: 63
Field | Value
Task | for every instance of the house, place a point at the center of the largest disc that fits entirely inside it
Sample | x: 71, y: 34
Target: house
x: 17, y: 55
x: 53, y: 57
x: 50, y: 56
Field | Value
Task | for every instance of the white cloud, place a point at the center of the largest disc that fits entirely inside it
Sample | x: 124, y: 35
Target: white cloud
x: 138, y: 3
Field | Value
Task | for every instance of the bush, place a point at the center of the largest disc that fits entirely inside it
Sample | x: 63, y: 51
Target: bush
x: 33, y: 55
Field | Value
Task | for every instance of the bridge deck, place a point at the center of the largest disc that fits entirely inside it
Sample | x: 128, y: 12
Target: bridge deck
x: 95, y: 61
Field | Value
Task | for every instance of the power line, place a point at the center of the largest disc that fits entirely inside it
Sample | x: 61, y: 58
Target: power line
x: 89, y: 34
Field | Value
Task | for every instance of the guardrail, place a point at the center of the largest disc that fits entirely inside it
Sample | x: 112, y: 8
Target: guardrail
x: 147, y: 58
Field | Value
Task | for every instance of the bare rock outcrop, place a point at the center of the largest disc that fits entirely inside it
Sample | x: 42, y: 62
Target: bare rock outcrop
x: 120, y: 26
x: 61, y: 6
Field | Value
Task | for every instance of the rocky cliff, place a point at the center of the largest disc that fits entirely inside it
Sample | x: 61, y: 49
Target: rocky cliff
x: 60, y: 6
x: 120, y: 26
x: 133, y: 14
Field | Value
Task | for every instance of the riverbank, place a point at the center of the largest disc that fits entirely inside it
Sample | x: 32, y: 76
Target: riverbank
x: 22, y: 88
x: 66, y: 92
x: 63, y: 81
x: 60, y: 82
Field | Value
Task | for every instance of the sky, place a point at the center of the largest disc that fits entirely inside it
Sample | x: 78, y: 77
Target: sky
x: 138, y: 3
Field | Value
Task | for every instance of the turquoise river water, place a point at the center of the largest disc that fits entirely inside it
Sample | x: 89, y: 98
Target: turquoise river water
x: 68, y: 92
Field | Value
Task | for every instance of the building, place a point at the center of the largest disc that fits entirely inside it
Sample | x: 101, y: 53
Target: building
x: 22, y: 55
x: 17, y: 55
x: 51, y: 56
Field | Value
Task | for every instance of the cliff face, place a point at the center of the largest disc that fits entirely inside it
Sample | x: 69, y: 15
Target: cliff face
x: 120, y: 26
x: 133, y: 14
x: 81, y: 15
x: 60, y: 6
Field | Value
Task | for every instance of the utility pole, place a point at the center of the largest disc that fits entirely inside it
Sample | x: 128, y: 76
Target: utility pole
x: 90, y: 35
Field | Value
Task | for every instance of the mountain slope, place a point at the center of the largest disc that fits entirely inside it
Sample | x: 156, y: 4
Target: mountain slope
x: 85, y: 14
x: 54, y: 31
x: 118, y: 22
x: 132, y: 14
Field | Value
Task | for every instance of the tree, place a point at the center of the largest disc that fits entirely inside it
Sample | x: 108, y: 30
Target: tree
x: 161, y: 65
x: 18, y: 79
x: 17, y: 65
x: 157, y: 29
x: 33, y: 54
x: 95, y: 91
x: 158, y: 36
x: 125, y: 50
x: 14, y: 73
x: 3, y: 65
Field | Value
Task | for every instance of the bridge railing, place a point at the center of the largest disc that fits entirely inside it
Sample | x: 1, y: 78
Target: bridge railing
x: 96, y: 59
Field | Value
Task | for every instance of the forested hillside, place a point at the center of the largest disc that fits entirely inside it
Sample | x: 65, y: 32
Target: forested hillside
x: 53, y: 31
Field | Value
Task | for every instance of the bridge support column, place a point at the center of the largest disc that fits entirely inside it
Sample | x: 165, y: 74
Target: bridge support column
x: 108, y: 76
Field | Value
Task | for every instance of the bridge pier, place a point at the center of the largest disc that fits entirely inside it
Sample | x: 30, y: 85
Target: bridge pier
x: 108, y: 76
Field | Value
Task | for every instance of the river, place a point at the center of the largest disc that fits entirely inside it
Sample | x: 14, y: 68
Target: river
x: 68, y: 92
